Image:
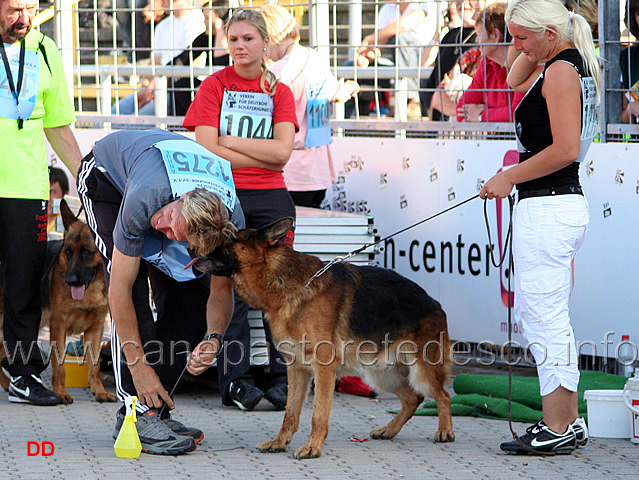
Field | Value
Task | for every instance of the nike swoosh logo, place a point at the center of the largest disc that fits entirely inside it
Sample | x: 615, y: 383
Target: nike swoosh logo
x: 24, y: 392
x: 536, y: 443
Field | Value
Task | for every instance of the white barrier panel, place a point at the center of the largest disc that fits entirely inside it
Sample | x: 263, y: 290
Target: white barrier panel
x: 400, y: 182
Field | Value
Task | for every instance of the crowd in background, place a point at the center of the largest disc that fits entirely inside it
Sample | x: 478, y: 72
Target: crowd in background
x: 442, y: 40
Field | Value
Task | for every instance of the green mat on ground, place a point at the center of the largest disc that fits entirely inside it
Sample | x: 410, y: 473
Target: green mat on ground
x: 486, y: 396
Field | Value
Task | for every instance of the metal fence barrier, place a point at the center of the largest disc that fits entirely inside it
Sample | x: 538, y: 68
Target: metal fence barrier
x: 93, y: 57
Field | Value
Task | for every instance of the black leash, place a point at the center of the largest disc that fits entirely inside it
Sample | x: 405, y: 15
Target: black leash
x: 177, y: 382
x: 507, y: 243
x: 509, y: 251
x: 368, y: 245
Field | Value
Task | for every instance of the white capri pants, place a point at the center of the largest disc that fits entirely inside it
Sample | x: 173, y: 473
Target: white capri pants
x: 548, y: 231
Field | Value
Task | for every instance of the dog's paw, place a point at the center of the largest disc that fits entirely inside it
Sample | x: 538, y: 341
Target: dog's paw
x: 4, y: 380
x: 382, y: 433
x: 105, y: 397
x: 308, y: 451
x: 66, y: 398
x: 443, y: 436
x: 271, y: 447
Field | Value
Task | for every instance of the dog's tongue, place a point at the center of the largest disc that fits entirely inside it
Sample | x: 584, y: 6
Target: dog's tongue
x: 78, y: 292
x: 191, y: 263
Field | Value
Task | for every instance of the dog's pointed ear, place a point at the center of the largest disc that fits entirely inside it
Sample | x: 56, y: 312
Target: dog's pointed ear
x: 277, y: 230
x: 67, y: 215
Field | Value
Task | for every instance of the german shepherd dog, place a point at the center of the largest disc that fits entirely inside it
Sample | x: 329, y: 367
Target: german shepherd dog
x: 77, y: 304
x: 367, y: 319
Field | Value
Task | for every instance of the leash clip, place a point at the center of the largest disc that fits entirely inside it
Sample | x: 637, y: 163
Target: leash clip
x: 321, y: 271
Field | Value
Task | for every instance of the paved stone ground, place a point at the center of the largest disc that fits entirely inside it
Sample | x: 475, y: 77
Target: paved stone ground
x: 81, y: 434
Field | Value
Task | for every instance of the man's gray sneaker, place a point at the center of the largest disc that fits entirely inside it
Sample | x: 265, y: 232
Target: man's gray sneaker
x: 155, y: 436
x: 181, y: 429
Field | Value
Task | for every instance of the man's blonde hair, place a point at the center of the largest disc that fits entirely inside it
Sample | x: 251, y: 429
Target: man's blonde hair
x: 207, y: 220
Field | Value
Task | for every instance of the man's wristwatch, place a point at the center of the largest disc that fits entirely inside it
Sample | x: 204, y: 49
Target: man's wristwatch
x: 217, y: 336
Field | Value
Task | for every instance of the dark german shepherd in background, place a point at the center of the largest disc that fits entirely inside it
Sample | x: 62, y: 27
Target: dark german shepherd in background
x: 77, y: 304
x: 366, y: 319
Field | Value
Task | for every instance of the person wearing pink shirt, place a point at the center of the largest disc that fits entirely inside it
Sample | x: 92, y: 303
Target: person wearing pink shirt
x: 489, y: 98
x: 309, y: 172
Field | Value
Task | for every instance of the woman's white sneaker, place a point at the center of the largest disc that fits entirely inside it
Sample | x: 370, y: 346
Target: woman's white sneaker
x: 581, y: 431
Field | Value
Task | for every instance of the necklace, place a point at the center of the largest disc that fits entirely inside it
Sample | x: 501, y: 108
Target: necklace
x: 288, y: 48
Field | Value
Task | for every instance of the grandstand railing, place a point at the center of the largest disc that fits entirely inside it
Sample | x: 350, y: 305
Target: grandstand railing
x: 335, y: 29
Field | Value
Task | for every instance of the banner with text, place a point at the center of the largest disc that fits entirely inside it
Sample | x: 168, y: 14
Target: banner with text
x: 402, y: 181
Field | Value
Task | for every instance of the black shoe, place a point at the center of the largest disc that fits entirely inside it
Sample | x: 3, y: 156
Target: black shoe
x: 541, y: 439
x: 277, y: 395
x: 245, y: 395
x: 581, y: 431
x: 29, y: 389
x: 155, y: 436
